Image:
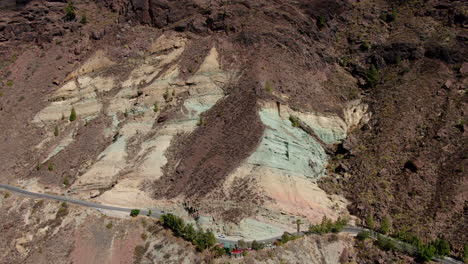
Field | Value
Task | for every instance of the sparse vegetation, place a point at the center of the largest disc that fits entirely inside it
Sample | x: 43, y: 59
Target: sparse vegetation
x: 72, y: 115
x: 6, y: 195
x: 70, y: 13
x: 134, y: 212
x: 109, y: 225
x: 126, y: 113
x: 149, y: 213
x: 138, y: 253
x: 9, y: 83
x: 56, y: 131
x: 63, y: 210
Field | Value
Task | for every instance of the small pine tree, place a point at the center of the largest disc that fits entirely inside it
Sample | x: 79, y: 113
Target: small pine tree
x: 156, y: 107
x: 56, y: 131
x: 72, y: 115
x: 70, y: 14
x: 84, y: 20
x: 166, y: 95
x: 386, y: 225
x: 370, y: 222
x: 372, y: 76
x: 321, y: 22
x: 51, y: 166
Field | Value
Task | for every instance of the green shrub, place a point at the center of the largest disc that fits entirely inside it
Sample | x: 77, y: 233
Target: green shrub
x: 385, y: 243
x: 363, y: 235
x: 51, y: 166
x: 173, y: 222
x: 155, y: 107
x: 72, y: 115
x: 109, y: 225
x: 320, y: 22
x: 189, y: 232
x: 287, y: 237
x: 294, y: 121
x: 70, y: 14
x: 442, y: 247
x: 6, y: 195
x: 149, y: 213
x: 134, y: 212
x: 56, y: 131
x: 9, y: 83
x: 256, y: 245
x: 426, y: 252
x: 372, y: 76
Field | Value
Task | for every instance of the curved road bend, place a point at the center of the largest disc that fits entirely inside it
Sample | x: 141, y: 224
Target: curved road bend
x: 352, y: 230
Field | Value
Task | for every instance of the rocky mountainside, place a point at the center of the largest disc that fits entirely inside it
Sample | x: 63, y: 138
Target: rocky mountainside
x: 242, y: 116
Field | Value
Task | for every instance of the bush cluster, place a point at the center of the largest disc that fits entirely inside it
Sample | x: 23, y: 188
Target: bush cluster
x: 328, y: 226
x: 425, y: 251
x: 200, y: 238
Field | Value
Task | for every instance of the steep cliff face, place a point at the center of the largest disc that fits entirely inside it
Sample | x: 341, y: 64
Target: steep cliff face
x: 258, y: 112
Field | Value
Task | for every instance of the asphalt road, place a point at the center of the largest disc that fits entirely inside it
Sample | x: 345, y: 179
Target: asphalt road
x: 352, y: 230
